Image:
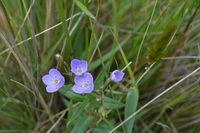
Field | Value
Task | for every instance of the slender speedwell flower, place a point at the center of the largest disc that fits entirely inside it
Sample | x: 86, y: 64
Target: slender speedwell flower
x: 83, y: 84
x: 116, y: 76
x: 54, y: 80
x: 78, y: 67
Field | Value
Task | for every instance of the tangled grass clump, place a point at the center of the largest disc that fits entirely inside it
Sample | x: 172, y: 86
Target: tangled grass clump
x: 140, y: 73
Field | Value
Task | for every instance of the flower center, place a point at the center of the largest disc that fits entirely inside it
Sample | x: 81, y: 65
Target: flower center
x: 85, y: 85
x: 56, y: 81
x: 79, y: 70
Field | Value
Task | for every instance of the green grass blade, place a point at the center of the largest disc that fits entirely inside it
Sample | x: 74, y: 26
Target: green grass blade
x: 82, y: 124
x: 84, y: 9
x: 77, y: 111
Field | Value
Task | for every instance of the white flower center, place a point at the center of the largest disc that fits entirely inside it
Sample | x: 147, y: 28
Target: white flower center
x: 85, y: 85
x: 79, y: 70
x: 56, y: 81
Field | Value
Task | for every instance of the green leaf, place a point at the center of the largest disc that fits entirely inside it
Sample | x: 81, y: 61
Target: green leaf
x: 82, y: 123
x: 84, y: 9
x: 69, y: 126
x: 104, y: 127
x: 130, y: 108
x: 109, y: 103
x: 77, y: 111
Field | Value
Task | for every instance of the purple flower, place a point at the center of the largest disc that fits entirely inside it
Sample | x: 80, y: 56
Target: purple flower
x: 78, y: 67
x: 83, y: 84
x: 116, y: 76
x: 54, y: 80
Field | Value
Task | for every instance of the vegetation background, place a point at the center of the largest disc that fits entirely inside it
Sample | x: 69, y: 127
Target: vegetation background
x: 160, y: 37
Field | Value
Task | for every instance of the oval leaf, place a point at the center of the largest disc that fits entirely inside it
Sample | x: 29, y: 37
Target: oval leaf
x: 130, y: 108
x: 82, y: 124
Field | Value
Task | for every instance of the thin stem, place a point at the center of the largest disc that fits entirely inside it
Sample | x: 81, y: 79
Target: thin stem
x: 97, y: 46
x: 145, y: 73
x: 126, y: 66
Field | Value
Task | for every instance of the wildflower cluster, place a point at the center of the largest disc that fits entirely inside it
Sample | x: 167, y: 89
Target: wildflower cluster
x: 83, y: 80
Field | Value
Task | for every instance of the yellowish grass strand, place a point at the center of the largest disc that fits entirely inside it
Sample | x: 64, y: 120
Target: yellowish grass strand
x: 148, y: 69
